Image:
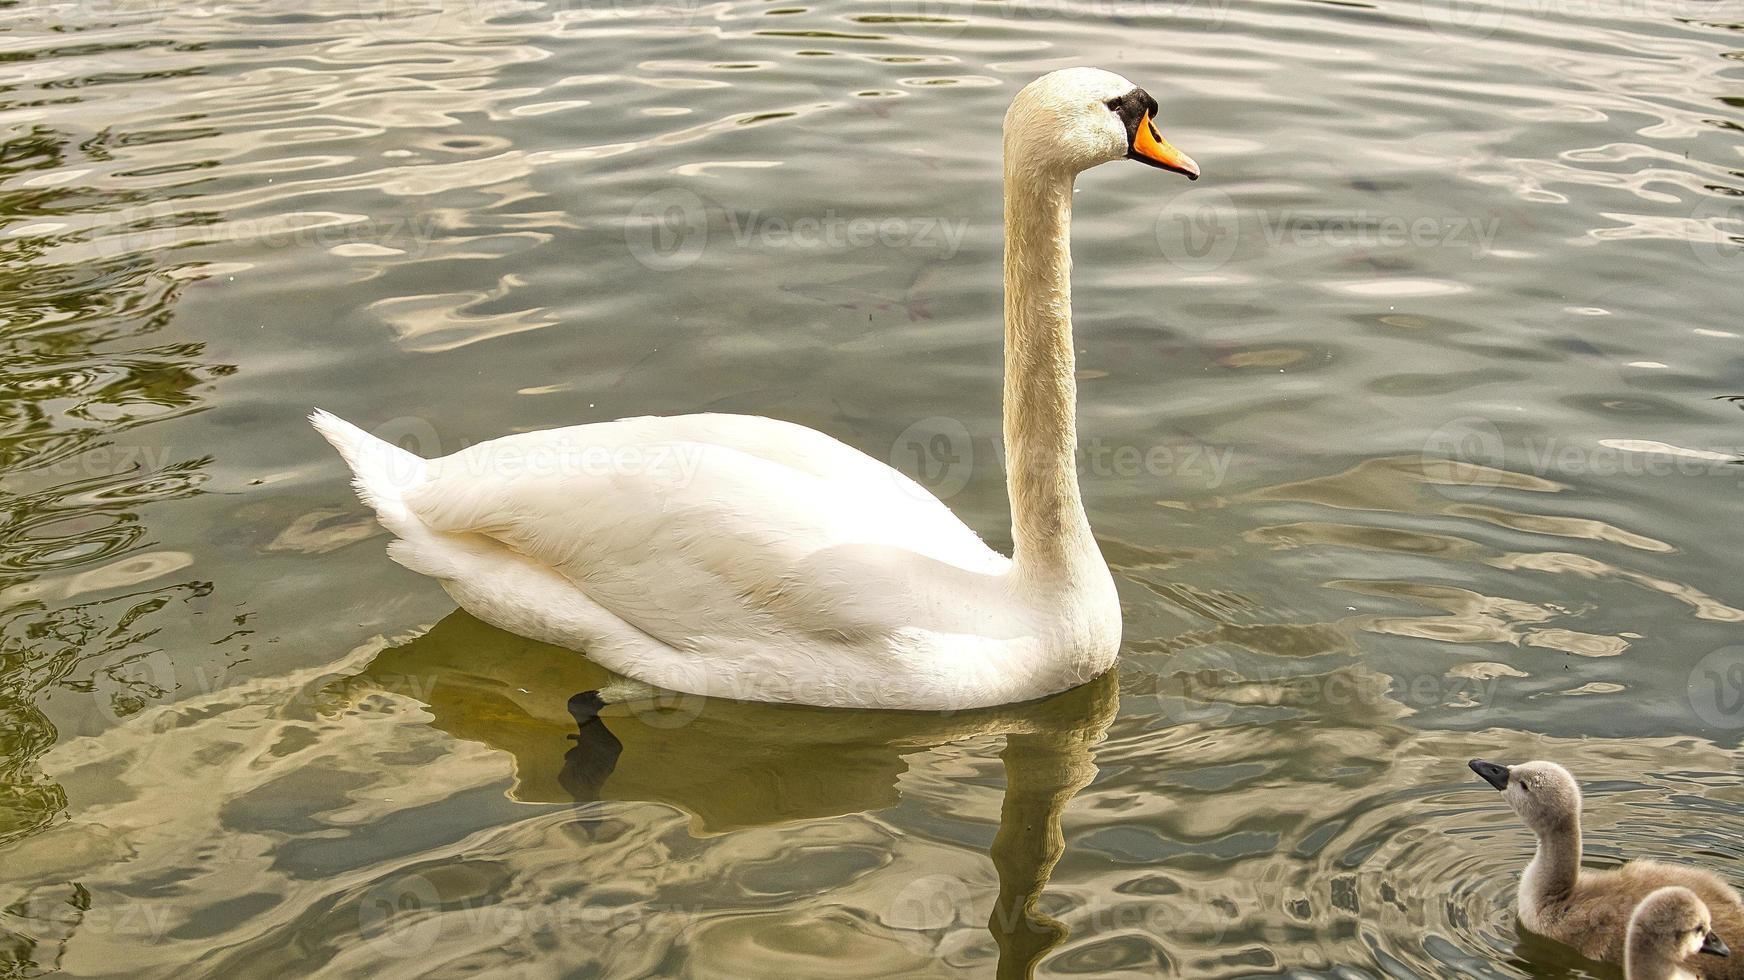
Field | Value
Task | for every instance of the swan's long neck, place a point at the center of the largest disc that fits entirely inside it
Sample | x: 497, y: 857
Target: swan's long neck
x: 1051, y: 535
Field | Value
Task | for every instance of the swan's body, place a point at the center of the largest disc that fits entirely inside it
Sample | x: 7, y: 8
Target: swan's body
x: 1670, y: 933
x: 744, y: 557
x: 748, y: 558
x: 1590, y: 910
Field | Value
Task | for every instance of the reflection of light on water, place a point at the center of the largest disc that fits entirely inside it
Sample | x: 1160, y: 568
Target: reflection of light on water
x: 312, y: 780
x: 1398, y: 288
x: 423, y: 206
x: 385, y: 775
x: 441, y: 322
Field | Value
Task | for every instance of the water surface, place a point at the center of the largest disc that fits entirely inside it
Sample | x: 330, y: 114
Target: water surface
x: 1410, y: 432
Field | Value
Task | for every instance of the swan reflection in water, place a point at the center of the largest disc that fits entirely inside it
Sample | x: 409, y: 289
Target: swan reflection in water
x: 733, y: 764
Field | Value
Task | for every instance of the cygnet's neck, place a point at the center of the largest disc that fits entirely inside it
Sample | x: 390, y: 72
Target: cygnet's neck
x: 1556, y: 866
x: 1645, y: 958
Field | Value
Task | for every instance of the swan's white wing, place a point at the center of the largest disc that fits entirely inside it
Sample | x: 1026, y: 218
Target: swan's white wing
x: 711, y: 531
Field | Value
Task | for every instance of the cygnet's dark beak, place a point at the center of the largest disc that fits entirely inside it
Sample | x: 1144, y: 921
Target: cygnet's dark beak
x: 1713, y: 945
x: 1493, y: 774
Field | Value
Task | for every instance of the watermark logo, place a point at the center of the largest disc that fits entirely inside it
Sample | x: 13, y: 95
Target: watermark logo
x: 1470, y: 453
x: 681, y: 11
x: 1209, y: 686
x: 142, y: 680
x: 60, y: 16
x: 662, y: 708
x: 669, y: 707
x: 159, y: 226
x: 927, y: 908
x: 931, y: 20
x: 1196, y: 689
x: 1463, y: 20
x: 416, y: 436
x: 938, y: 453
x: 401, y: 20
x: 944, y: 20
x: 1374, y: 231
x: 1184, y: 461
x: 1197, y: 230
x: 1716, y: 689
x: 402, y: 914
x: 148, y: 227
x: 1200, y: 229
x: 419, y: 20
x: 1475, y: 449
x: 667, y: 230
x: 1722, y: 249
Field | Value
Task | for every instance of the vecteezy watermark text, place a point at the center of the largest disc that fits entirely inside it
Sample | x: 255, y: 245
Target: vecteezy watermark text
x: 940, y: 455
x: 671, y: 229
x: 1201, y: 228
x: 1483, y: 458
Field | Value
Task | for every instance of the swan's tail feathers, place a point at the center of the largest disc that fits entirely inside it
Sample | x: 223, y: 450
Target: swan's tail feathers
x: 382, y: 473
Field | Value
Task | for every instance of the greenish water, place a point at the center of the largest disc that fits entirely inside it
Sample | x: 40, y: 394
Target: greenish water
x: 1410, y: 431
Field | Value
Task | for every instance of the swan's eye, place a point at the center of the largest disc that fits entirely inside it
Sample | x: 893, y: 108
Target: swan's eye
x: 1132, y: 107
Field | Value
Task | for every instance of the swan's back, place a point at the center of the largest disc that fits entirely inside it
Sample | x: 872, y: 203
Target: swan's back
x: 551, y: 482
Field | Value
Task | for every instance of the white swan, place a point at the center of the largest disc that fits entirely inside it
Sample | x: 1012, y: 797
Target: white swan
x: 744, y: 557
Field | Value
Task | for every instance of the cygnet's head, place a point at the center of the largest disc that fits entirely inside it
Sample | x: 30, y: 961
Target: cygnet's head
x: 1544, y: 794
x: 1076, y: 118
x: 1669, y: 926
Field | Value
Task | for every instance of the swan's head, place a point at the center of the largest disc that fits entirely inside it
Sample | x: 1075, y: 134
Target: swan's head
x: 1076, y: 118
x: 1544, y: 794
x: 1671, y: 925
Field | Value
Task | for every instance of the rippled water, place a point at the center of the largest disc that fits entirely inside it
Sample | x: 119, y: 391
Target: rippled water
x: 1411, y: 432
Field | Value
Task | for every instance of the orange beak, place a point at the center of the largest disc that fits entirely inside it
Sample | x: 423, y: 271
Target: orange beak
x: 1148, y: 146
